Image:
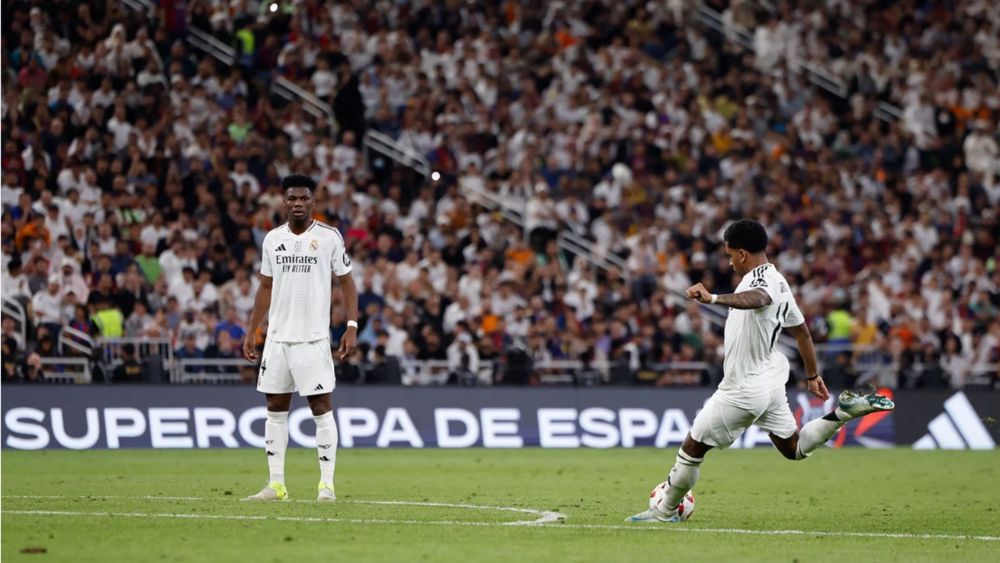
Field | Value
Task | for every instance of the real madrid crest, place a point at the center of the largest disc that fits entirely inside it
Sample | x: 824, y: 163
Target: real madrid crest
x: 313, y: 245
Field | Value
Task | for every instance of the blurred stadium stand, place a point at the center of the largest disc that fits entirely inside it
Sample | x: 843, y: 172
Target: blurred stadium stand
x: 590, y: 155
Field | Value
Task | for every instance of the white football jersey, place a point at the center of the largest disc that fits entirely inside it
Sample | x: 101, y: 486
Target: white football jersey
x: 752, y: 365
x: 300, y: 267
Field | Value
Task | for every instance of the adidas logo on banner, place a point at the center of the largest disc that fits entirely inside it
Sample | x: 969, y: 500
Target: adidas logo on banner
x: 957, y: 428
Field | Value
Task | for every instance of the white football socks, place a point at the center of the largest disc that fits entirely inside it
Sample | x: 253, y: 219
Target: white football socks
x: 275, y: 443
x: 816, y: 432
x: 326, y: 446
x: 682, y: 478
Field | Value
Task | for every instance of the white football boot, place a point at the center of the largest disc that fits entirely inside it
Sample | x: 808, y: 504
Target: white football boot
x: 653, y: 515
x: 273, y: 491
x: 325, y: 493
x: 851, y: 405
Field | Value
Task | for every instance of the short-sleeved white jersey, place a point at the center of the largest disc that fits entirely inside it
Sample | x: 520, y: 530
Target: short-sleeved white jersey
x: 752, y: 365
x: 301, y: 266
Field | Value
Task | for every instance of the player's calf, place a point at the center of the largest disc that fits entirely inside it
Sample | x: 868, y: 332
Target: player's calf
x: 849, y: 406
x: 668, y: 497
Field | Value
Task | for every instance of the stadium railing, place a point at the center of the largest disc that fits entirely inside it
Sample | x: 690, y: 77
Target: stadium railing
x: 280, y: 86
x: 15, y: 310
x: 209, y: 45
x: 436, y: 372
x: 816, y: 74
x: 399, y: 152
x: 156, y: 354
x: 209, y: 370
x: 75, y: 342
x: 874, y: 369
x: 66, y: 370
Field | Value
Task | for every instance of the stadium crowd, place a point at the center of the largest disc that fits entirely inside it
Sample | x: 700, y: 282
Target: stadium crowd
x: 141, y: 175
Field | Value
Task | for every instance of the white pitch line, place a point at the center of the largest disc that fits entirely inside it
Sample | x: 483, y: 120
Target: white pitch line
x: 641, y: 527
x: 543, y: 516
x: 245, y: 517
x: 683, y: 528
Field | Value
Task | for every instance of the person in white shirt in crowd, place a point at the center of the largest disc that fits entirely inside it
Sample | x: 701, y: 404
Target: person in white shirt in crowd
x: 204, y: 294
x: 463, y: 360
x: 72, y: 281
x: 541, y: 221
x: 982, y: 154
x: 244, y: 180
x: 46, y: 305
x: 15, y: 283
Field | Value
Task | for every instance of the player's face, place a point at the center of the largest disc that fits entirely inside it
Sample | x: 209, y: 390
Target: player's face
x: 738, y: 259
x: 299, y: 203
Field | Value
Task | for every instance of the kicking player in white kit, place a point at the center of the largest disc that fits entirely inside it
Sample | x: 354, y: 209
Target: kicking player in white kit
x: 753, y: 386
x: 297, y: 263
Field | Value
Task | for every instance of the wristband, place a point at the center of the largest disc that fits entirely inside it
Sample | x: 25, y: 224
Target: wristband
x: 715, y: 298
x: 352, y: 324
x: 812, y: 378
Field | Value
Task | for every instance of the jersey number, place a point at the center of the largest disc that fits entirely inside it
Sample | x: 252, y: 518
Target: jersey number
x: 780, y: 318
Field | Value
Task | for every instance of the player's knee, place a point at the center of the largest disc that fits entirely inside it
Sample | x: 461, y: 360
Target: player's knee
x: 694, y: 448
x: 320, y: 405
x: 279, y: 402
x: 787, y: 446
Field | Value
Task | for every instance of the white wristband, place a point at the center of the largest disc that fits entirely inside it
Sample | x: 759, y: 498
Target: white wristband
x: 352, y: 324
x: 715, y: 298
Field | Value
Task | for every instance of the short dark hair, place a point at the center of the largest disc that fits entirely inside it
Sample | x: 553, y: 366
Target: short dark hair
x: 298, y: 181
x: 746, y: 234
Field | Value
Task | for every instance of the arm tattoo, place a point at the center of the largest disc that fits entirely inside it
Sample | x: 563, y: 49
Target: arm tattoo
x: 753, y: 299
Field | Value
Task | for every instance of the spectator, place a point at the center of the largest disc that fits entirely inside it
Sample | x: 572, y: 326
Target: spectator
x: 231, y: 325
x: 982, y: 153
x: 463, y: 361
x: 541, y: 221
x: 140, y: 322
x: 108, y: 318
x: 648, y: 148
x: 72, y: 281
x: 189, y: 350
x: 47, y: 306
x: 130, y: 370
x: 15, y: 283
x: 12, y: 360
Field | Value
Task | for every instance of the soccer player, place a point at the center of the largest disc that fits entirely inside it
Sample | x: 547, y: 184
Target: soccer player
x: 753, y: 387
x: 297, y: 259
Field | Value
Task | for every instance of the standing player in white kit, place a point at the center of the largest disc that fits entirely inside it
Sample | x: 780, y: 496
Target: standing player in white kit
x: 753, y: 387
x: 297, y: 260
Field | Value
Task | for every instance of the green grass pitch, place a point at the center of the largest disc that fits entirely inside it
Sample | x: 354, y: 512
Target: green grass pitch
x: 846, y: 505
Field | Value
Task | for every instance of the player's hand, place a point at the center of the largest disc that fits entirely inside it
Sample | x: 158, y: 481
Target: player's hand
x: 250, y: 347
x: 698, y: 292
x: 347, y: 343
x: 818, y: 387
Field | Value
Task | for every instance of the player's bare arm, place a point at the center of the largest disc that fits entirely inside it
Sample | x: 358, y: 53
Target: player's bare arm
x: 350, y: 338
x: 804, y: 341
x: 752, y: 299
x: 261, y: 305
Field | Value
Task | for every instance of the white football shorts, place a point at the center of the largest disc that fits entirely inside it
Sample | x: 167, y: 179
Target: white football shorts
x: 720, y: 422
x: 306, y: 367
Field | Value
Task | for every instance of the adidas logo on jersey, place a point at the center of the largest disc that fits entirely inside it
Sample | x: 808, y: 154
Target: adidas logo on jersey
x: 319, y: 387
x: 957, y: 428
x: 281, y: 248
